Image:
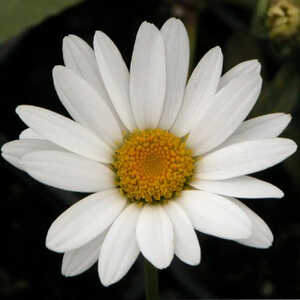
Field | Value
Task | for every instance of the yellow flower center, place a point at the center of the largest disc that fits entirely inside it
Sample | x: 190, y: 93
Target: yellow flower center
x: 152, y: 165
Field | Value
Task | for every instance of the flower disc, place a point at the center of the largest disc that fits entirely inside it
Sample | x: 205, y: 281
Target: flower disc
x: 152, y: 165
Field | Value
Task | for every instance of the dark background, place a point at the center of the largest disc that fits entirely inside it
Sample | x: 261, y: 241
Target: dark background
x: 227, y: 270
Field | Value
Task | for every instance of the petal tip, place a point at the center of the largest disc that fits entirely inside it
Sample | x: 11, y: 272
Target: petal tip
x: 65, y: 40
x: 19, y: 109
x: 48, y: 243
x: 146, y: 25
x: 269, y: 245
x: 104, y: 279
x: 98, y: 34
x: 73, y: 36
x: 279, y: 194
x: 51, y: 242
x: 105, y: 282
x: 23, y: 108
x: 65, y: 271
x: 173, y: 21
x: 266, y: 244
x: 287, y: 118
x: 51, y: 245
x: 195, y: 261
x: 57, y: 70
x: 100, y: 39
x: 293, y: 147
x: 217, y: 50
x: 69, y: 269
x: 4, y: 147
x: 257, y: 67
x: 216, y: 53
x: 159, y: 263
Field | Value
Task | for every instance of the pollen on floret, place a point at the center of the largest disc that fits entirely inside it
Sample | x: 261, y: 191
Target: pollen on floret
x: 152, y: 165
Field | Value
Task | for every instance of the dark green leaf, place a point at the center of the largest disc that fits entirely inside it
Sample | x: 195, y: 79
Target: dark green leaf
x: 17, y: 15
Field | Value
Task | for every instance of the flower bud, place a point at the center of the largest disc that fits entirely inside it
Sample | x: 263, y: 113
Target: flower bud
x: 283, y: 19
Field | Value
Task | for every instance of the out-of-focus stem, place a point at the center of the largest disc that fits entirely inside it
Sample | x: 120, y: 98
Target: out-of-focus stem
x: 151, y: 282
x: 257, y: 26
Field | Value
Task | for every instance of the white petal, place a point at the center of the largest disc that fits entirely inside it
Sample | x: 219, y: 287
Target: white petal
x: 68, y: 171
x: 155, y: 236
x: 263, y: 127
x: 249, y: 66
x: 80, y: 58
x: 177, y: 63
x: 14, y: 150
x: 228, y: 109
x: 215, y: 215
x: 148, y: 76
x: 85, y: 105
x: 15, y: 161
x: 244, y: 158
x: 29, y: 134
x: 187, y: 247
x: 19, y: 148
x: 84, y: 220
x: 65, y: 132
x: 81, y: 259
x: 261, y: 236
x: 201, y: 86
x: 115, y: 76
x: 120, y: 248
x: 241, y: 187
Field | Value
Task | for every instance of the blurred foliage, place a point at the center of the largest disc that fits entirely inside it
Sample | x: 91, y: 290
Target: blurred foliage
x: 292, y: 164
x: 17, y: 15
x: 280, y: 94
x: 259, y: 16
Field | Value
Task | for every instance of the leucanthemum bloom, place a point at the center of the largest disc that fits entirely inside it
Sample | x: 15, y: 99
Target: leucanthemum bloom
x: 160, y: 157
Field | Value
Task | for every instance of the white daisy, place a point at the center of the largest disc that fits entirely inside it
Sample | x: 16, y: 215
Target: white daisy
x: 160, y: 157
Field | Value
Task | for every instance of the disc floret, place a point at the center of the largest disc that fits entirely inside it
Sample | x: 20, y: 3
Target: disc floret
x: 152, y: 165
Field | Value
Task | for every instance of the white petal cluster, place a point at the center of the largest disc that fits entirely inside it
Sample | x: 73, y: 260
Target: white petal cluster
x: 104, y: 99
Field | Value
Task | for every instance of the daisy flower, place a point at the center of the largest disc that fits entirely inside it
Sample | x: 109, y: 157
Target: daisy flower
x: 160, y: 155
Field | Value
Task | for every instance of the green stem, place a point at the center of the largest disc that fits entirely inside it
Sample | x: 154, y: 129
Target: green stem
x: 258, y: 18
x: 151, y: 282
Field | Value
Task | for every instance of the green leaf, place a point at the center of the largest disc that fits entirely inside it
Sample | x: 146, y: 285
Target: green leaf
x: 18, y: 15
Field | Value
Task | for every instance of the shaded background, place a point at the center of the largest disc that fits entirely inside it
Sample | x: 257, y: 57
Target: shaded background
x: 227, y: 270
